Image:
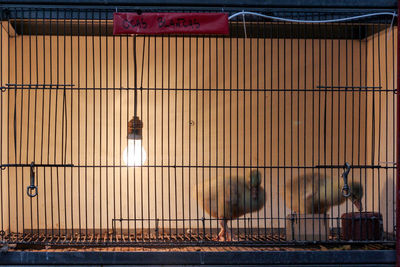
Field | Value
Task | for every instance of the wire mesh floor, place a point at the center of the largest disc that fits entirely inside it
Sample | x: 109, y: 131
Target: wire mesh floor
x: 147, y: 239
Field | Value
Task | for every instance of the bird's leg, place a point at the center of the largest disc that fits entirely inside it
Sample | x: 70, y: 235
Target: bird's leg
x: 229, y: 234
x: 222, y: 234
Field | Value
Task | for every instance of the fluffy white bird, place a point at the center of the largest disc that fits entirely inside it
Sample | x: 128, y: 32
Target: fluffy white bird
x: 316, y: 193
x: 231, y: 199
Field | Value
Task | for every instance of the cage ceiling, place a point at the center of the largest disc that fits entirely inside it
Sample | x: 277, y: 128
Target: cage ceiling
x: 62, y: 18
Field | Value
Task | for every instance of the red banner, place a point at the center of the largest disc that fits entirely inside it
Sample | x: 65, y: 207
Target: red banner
x: 171, y: 23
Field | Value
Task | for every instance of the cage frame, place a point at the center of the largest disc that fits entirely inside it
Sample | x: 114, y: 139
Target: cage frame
x: 344, y: 257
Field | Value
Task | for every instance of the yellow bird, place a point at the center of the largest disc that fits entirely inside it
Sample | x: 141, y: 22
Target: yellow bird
x: 315, y: 193
x: 230, y: 198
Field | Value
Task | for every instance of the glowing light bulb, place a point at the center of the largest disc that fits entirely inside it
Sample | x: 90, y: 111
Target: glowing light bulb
x: 134, y: 154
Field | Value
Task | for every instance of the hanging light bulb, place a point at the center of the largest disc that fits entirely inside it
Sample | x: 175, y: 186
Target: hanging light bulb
x: 134, y: 154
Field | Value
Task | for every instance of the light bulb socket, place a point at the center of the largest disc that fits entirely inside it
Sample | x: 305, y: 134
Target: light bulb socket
x: 135, y: 126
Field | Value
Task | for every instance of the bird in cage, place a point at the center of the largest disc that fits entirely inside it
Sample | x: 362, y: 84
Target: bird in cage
x: 230, y: 198
x: 316, y: 193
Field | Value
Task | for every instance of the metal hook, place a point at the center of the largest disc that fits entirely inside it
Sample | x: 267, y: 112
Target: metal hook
x: 32, y: 189
x: 346, y: 192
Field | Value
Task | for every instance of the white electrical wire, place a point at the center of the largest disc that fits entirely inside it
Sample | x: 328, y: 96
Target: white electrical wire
x: 312, y: 21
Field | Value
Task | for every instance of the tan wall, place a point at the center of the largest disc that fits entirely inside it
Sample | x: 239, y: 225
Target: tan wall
x: 264, y: 128
x: 380, y: 183
x: 4, y: 126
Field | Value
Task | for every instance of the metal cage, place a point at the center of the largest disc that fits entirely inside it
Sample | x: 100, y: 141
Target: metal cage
x: 287, y: 99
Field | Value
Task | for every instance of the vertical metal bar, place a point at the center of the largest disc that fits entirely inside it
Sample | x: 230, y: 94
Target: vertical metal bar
x: 79, y: 120
x: 366, y: 125
x: 29, y: 102
x: 169, y: 135
x: 42, y: 127
x: 72, y: 92
x: 244, y: 132
x: 55, y: 122
x: 114, y: 145
x: 210, y: 133
x: 291, y: 118
x: 190, y: 135
x: 230, y: 128
x: 183, y: 133
x: 398, y: 144
x: 99, y: 13
x: 141, y: 112
x: 353, y: 147
x: 359, y: 102
x: 338, y: 189
x: 271, y: 128
x: 155, y: 139
x: 86, y: 123
x: 148, y: 137
x: 278, y: 106
x: 94, y: 125
x: 162, y: 139
x: 319, y: 120
x: 2, y: 83
x: 324, y: 119
x: 135, y: 111
x: 312, y: 126
x: 257, y: 39
x: 251, y: 127
x: 379, y: 119
x: 237, y: 123
x: 284, y: 128
x: 265, y: 123
x: 48, y: 132
x: 120, y: 136
x: 395, y: 61
x: 373, y: 123
x: 305, y: 131
x: 216, y: 120
x: 386, y: 59
x: 298, y: 126
x: 8, y: 123
x: 332, y: 94
x: 197, y: 135
x: 22, y: 92
x: 203, y: 132
x: 127, y: 117
x: 345, y: 114
x: 223, y: 126
x: 65, y: 130
x: 15, y: 131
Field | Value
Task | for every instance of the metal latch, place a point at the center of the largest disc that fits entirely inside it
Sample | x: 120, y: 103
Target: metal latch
x: 32, y: 189
x: 346, y: 189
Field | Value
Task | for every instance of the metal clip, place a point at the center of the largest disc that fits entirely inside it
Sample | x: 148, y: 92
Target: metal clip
x: 346, y: 189
x: 32, y: 190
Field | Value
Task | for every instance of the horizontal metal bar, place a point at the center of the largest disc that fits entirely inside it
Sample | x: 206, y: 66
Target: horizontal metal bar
x: 193, y: 90
x: 199, y: 166
x: 316, y: 215
x: 352, y: 166
x: 38, y: 85
x: 222, y: 4
x: 203, y: 258
x: 345, y: 87
x: 36, y: 165
x: 202, y: 243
